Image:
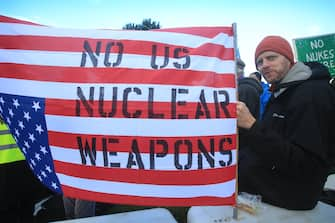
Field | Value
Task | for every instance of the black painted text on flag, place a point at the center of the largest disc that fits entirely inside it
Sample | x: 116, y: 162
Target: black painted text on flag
x: 158, y: 148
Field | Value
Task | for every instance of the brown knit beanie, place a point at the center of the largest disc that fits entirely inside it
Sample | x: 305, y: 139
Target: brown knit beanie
x: 276, y: 44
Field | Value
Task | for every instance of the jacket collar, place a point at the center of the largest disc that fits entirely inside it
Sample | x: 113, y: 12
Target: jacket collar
x: 297, y: 74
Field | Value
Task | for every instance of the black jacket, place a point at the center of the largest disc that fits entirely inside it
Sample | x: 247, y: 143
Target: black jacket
x: 249, y: 91
x: 286, y: 157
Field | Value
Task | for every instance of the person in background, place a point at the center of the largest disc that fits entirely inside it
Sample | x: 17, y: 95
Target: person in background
x: 249, y: 90
x: 287, y: 156
x: 266, y: 94
x: 20, y: 189
x: 240, y: 65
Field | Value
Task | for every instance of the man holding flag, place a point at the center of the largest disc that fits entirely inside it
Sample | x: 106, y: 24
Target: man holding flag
x: 287, y: 156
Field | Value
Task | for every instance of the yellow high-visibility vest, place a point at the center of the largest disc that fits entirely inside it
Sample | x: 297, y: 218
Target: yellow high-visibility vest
x: 9, y: 151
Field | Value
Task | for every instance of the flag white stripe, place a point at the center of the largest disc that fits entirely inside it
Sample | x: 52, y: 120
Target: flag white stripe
x: 161, y: 163
x: 133, y: 61
x: 141, y: 127
x: 173, y: 38
x: 148, y: 190
x: 62, y: 90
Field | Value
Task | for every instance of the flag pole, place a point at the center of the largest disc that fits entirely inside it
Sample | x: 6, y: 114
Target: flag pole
x: 235, y: 209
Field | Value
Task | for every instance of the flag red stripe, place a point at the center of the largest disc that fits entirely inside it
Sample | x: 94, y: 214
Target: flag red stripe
x: 148, y: 201
x: 173, y: 177
x: 68, y: 140
x: 116, y: 75
x: 163, y: 109
x: 66, y: 44
x: 13, y: 20
x: 209, y: 32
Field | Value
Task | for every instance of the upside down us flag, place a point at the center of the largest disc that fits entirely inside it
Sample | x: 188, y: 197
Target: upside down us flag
x: 118, y: 116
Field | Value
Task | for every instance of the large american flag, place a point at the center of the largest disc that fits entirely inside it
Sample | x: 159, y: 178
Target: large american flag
x: 128, y: 117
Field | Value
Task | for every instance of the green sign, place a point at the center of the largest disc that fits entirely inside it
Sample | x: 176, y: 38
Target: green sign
x: 317, y: 48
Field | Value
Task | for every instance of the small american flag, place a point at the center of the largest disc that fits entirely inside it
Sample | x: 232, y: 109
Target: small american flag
x: 119, y: 116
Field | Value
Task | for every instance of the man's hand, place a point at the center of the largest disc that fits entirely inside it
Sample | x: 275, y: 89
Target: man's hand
x: 244, y: 117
